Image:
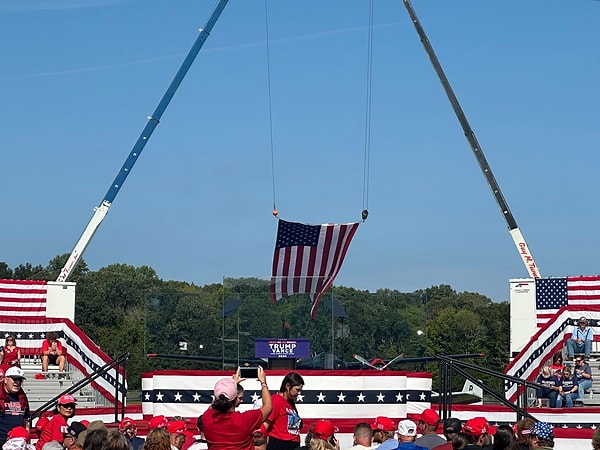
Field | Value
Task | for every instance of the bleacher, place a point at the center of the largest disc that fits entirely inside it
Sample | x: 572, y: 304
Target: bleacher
x: 41, y: 390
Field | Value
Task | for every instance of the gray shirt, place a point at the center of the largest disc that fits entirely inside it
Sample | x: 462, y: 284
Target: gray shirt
x: 430, y: 440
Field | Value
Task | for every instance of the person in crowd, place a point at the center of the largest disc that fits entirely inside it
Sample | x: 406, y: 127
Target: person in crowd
x: 569, y: 389
x: 11, y: 355
x: 157, y: 439
x: 323, y: 436
x: 477, y: 430
x: 596, y: 440
x: 96, y: 436
x: 199, y: 441
x: 428, y: 424
x: 14, y: 405
x: 178, y: 433
x: 226, y: 428
x: 42, y: 422
x: 522, y: 432
x: 284, y: 423
x: 116, y: 440
x: 158, y: 422
x: 18, y: 439
x: 71, y: 434
x: 505, y: 439
x: 583, y: 374
x: 362, y: 437
x: 54, y: 430
x: 550, y: 389
x: 459, y: 441
x: 407, y: 433
x: 452, y: 427
x: 541, y: 436
x: 557, y: 365
x: 53, y: 352
x: 581, y: 340
x: 383, y: 433
x: 128, y: 428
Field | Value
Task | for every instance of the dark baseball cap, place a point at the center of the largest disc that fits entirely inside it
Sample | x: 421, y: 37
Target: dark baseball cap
x: 452, y: 425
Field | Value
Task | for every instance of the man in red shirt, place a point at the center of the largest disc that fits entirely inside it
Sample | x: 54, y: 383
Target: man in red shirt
x: 53, y: 352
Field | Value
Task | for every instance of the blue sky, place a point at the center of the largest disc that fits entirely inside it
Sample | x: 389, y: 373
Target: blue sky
x: 80, y: 77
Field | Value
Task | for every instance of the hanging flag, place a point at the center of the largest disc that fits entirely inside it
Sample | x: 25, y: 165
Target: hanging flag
x: 308, y: 258
x: 553, y: 293
x: 23, y: 298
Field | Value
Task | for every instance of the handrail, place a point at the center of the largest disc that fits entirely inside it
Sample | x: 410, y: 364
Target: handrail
x: 114, y: 363
x: 448, y: 365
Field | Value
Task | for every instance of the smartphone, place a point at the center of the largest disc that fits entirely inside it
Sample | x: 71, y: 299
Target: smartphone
x: 249, y: 372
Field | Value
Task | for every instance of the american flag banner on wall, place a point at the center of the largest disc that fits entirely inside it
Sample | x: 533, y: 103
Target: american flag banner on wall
x: 23, y: 298
x: 553, y: 293
x: 308, y: 258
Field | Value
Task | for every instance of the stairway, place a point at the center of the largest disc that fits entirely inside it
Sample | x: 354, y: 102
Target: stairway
x: 40, y: 391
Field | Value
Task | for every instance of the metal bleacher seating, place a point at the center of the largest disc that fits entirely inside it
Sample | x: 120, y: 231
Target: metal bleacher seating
x: 41, y: 390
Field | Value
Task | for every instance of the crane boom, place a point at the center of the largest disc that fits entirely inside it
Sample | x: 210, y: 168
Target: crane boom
x: 153, y: 120
x: 513, y: 228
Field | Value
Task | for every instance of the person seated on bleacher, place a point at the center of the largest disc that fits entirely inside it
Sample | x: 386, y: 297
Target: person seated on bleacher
x: 569, y: 392
x: 11, y: 355
x: 551, y: 387
x: 557, y: 365
x: 581, y: 340
x: 53, y: 352
x: 583, y: 373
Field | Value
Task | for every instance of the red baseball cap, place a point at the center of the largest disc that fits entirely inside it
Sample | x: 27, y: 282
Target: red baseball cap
x: 324, y: 429
x: 384, y: 423
x: 429, y: 416
x: 478, y: 426
x: 178, y: 427
x: 158, y: 422
x: 126, y: 423
x: 18, y: 432
x: 66, y: 399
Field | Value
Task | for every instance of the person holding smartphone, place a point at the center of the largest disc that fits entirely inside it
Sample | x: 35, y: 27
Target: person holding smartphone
x: 284, y: 424
x: 228, y: 429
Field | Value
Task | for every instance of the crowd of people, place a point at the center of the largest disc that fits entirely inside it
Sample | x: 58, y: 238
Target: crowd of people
x: 272, y: 424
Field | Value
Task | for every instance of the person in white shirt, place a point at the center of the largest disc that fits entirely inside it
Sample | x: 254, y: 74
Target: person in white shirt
x: 363, y: 437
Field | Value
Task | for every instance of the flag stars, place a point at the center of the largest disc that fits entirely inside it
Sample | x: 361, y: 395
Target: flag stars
x: 361, y: 397
x: 321, y: 397
x: 159, y: 397
x: 341, y: 397
x: 422, y: 396
x: 380, y: 397
x: 196, y: 397
x: 399, y: 397
x: 147, y: 396
x: 300, y: 398
x: 254, y: 397
x: 178, y: 397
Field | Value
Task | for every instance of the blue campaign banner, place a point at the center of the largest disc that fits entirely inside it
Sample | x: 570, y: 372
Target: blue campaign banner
x: 282, y: 348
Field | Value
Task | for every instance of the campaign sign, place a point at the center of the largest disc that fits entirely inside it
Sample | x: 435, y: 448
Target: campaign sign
x: 282, y: 348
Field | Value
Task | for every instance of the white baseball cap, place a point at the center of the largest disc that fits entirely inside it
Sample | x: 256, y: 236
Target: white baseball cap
x: 15, y: 372
x: 407, y: 428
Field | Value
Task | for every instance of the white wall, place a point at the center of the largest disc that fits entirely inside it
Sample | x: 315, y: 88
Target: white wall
x: 60, y: 301
x: 523, y: 322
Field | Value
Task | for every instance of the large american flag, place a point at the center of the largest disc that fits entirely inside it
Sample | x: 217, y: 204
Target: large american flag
x: 553, y: 293
x: 308, y: 258
x: 23, y: 298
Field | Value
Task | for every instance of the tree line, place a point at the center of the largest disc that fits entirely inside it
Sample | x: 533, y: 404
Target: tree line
x: 126, y: 308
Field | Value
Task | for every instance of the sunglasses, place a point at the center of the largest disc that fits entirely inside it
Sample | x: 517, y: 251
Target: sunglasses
x: 17, y: 379
x: 68, y: 406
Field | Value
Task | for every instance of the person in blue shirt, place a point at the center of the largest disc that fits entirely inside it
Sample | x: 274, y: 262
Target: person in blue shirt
x: 581, y: 340
x: 407, y: 433
x: 551, y: 387
x: 569, y: 391
x: 583, y: 374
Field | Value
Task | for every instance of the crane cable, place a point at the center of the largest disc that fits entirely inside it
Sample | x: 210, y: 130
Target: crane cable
x: 275, y: 213
x: 367, y: 153
x: 367, y: 156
